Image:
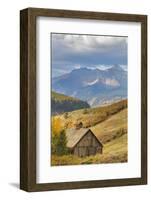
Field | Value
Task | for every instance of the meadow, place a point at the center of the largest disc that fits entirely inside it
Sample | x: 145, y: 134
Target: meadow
x: 108, y: 123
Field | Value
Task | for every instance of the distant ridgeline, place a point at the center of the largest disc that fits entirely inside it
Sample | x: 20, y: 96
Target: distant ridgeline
x: 95, y: 86
x: 61, y: 103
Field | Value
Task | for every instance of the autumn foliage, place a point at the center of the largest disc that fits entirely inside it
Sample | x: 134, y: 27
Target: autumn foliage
x: 58, y: 138
x: 56, y: 125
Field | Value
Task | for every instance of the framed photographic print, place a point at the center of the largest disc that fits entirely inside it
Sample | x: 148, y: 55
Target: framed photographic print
x: 83, y: 99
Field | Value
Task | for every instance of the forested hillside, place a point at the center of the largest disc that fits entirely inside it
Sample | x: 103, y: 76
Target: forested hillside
x: 61, y: 103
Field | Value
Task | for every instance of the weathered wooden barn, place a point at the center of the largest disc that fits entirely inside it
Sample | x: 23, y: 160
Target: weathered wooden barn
x: 82, y: 142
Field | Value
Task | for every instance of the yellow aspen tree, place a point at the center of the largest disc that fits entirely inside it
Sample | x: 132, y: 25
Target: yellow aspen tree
x: 56, y: 125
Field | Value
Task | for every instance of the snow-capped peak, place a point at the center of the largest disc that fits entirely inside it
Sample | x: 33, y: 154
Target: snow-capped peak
x: 91, y: 83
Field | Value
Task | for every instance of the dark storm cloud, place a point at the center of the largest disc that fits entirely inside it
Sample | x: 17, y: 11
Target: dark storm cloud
x: 71, y: 51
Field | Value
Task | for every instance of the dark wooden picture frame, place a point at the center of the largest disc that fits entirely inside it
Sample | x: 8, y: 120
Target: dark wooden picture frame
x: 28, y: 98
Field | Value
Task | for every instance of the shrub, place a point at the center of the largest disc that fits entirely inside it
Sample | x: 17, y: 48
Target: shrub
x: 85, y: 111
x: 66, y: 115
x: 59, y: 142
x: 121, y: 132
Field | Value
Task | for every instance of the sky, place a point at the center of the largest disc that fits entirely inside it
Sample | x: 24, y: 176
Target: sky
x: 70, y: 51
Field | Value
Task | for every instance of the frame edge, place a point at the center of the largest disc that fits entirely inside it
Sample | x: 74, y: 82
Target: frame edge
x: 27, y: 100
x: 23, y: 99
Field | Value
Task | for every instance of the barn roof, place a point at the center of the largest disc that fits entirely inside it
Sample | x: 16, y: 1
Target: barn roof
x: 75, y: 135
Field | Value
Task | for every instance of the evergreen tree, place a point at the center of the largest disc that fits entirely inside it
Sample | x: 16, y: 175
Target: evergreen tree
x: 61, y: 148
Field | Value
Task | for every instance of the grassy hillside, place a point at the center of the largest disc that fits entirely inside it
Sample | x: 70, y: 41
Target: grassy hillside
x: 62, y: 97
x: 92, y: 116
x: 61, y: 103
x: 110, y: 130
x: 115, y: 126
x: 114, y: 152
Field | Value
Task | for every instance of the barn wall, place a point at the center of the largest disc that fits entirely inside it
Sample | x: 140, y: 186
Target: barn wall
x: 88, y: 140
x: 88, y: 145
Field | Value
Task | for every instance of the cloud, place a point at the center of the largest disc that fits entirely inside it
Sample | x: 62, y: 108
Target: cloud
x: 69, y: 50
x: 87, y: 43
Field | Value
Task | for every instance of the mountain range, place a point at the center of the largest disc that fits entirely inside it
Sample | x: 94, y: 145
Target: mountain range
x: 95, y: 86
